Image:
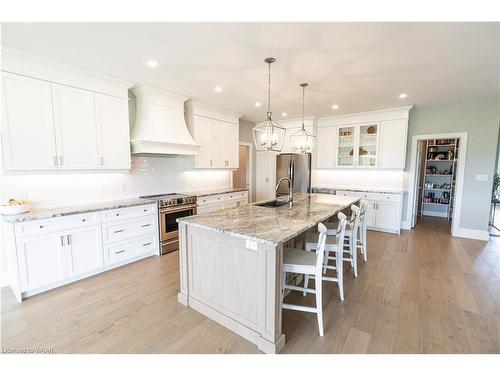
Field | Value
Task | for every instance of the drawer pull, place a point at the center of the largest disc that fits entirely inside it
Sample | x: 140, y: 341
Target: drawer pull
x: 41, y: 226
x: 145, y: 210
x: 118, y: 231
x: 119, y: 252
x: 146, y: 244
x: 117, y: 214
x: 84, y: 220
x: 145, y: 225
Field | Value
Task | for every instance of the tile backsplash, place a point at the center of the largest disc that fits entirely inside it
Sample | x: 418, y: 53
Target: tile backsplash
x: 361, y: 178
x: 149, y: 175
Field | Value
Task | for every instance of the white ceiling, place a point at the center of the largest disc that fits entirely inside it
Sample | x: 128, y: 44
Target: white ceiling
x: 359, y: 66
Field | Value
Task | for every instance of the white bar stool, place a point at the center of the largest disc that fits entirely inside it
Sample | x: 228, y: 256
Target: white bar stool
x: 331, y: 247
x: 351, y: 238
x: 307, y: 263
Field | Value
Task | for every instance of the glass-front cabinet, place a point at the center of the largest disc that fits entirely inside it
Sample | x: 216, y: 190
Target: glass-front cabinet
x: 357, y: 145
x: 345, y: 146
x: 367, y: 145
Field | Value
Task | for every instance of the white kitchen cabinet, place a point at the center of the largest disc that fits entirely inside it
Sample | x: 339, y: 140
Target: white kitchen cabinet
x: 27, y: 124
x: 75, y: 127
x: 113, y: 136
x: 393, y: 139
x: 219, y: 142
x: 265, y: 176
x: 383, y: 212
x: 41, y: 260
x: 83, y: 250
x: 387, y: 216
x: 357, y: 145
x: 55, y: 251
x: 325, y: 147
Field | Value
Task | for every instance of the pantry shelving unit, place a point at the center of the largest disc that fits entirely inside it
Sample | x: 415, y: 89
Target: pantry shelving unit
x: 439, y: 187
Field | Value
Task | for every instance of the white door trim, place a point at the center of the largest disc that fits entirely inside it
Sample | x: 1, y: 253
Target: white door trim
x: 249, y: 169
x: 462, y: 155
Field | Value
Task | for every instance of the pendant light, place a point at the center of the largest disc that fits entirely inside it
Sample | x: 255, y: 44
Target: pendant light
x: 269, y: 135
x: 302, y: 141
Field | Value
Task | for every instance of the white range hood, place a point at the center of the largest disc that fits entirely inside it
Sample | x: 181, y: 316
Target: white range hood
x: 160, y: 127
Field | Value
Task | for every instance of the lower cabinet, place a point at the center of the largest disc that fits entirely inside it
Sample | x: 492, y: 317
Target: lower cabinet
x: 221, y: 201
x: 383, y: 212
x: 64, y: 249
x: 41, y: 260
x: 83, y: 250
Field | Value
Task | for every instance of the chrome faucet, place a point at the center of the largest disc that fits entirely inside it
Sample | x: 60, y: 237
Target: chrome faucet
x: 290, y: 188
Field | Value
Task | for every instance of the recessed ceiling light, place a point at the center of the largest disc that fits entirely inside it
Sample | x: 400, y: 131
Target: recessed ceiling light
x: 258, y: 104
x: 402, y: 96
x: 218, y: 89
x: 284, y: 114
x: 335, y: 106
x: 152, y: 63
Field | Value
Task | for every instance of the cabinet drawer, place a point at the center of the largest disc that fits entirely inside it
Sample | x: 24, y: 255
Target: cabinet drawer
x: 209, y: 208
x: 380, y: 197
x: 128, y: 212
x: 346, y: 193
x: 123, y: 229
x: 130, y: 248
x: 238, y: 196
x: 34, y: 227
x: 211, y: 199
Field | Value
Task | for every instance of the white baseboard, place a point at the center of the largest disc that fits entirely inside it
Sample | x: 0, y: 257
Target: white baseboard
x: 405, y: 225
x: 473, y: 234
x: 435, y: 213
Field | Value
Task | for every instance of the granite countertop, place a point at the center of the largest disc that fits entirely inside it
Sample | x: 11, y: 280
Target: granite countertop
x: 367, y: 189
x: 272, y: 225
x: 207, y: 192
x: 45, y: 213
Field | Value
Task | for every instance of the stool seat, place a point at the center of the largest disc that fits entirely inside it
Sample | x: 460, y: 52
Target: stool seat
x: 293, y: 258
x: 312, y: 239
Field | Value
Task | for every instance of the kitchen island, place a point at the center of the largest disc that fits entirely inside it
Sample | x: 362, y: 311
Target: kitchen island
x: 231, y: 261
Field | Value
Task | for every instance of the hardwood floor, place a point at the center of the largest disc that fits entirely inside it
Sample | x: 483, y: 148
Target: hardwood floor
x: 421, y: 292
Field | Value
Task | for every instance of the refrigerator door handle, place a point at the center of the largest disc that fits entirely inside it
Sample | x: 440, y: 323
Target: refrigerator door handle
x: 291, y: 173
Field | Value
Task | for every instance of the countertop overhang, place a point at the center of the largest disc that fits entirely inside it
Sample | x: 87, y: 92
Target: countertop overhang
x: 272, y: 225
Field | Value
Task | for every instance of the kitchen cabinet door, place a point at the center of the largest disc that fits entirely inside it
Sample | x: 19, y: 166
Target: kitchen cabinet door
x: 217, y: 144
x: 113, y: 134
x: 84, y: 252
x: 41, y: 260
x: 347, y: 154
x: 28, y: 125
x: 370, y: 215
x: 387, y: 216
x: 201, y: 129
x: 392, y: 144
x: 367, y: 145
x: 75, y: 124
x: 325, y: 147
x: 266, y: 176
x: 231, y: 140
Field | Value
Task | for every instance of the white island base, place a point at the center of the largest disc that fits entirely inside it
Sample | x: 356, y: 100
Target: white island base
x: 234, y: 282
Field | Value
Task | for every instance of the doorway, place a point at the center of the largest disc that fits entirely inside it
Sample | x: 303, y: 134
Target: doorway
x: 436, y: 179
x: 242, y: 177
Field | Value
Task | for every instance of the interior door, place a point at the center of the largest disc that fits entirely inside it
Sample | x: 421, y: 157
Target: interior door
x: 27, y: 102
x: 113, y: 132
x: 76, y: 133
x: 84, y: 251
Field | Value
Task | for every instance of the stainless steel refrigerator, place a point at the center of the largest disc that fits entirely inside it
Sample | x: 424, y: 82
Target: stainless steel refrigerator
x: 298, y: 168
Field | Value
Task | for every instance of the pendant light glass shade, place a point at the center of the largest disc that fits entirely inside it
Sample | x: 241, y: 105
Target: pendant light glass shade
x: 302, y: 141
x: 269, y: 135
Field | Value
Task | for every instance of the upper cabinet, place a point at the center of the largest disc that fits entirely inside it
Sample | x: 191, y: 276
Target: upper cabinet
x: 27, y: 124
x: 217, y: 134
x: 48, y: 125
x: 367, y: 140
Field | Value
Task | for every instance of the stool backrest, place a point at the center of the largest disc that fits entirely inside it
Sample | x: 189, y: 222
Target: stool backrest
x: 320, y: 249
x: 363, y: 205
x: 355, y: 219
x: 341, y: 228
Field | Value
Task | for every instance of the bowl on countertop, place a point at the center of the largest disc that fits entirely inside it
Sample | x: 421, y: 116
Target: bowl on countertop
x: 6, y: 209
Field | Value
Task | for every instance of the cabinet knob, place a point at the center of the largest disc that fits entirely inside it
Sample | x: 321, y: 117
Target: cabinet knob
x: 84, y: 220
x: 41, y: 226
x: 117, y: 214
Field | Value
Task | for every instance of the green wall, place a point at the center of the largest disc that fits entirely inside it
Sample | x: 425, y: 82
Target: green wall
x: 246, y: 135
x: 481, y: 122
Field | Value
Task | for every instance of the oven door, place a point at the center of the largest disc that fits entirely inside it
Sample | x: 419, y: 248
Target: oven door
x: 168, y: 221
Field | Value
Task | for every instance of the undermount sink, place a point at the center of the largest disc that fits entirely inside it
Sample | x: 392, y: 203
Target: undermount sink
x: 274, y: 203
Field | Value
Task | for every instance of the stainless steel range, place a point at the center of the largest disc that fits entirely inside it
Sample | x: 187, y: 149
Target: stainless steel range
x: 171, y: 207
